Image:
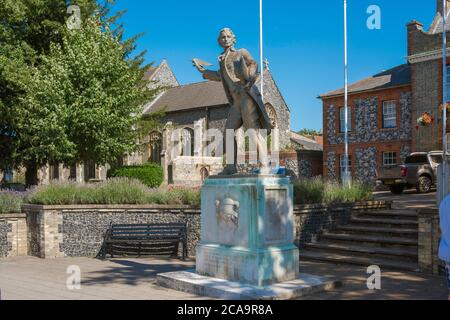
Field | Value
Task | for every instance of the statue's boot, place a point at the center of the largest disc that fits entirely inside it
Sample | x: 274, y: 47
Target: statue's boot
x: 229, y: 170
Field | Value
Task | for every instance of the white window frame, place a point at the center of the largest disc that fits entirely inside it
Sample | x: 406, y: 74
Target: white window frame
x: 342, y: 119
x: 390, y: 114
x: 389, y: 158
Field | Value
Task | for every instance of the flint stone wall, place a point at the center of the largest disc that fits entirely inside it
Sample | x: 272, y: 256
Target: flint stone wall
x: 78, y: 231
x: 367, y: 126
x: 5, y: 245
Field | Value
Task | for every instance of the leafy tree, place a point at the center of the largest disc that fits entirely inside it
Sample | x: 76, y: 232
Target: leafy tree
x: 66, y: 96
x: 27, y: 28
x: 310, y: 132
x: 83, y: 100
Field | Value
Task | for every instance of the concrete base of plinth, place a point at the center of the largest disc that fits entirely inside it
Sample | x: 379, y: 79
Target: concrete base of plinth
x: 191, y: 282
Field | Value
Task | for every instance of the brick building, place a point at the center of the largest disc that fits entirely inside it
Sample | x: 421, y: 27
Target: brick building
x: 384, y: 109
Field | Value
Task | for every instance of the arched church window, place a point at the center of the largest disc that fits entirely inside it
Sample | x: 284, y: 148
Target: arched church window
x: 155, y: 145
x: 187, y: 142
x: 272, y: 115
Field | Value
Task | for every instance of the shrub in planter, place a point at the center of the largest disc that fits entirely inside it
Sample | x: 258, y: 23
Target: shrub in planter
x: 114, y: 191
x: 151, y: 174
x: 311, y: 191
x: 11, y: 201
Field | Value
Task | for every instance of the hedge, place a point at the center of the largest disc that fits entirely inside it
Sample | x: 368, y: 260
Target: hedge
x: 151, y: 174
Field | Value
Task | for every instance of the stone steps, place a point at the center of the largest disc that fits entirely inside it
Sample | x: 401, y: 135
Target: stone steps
x: 389, y: 214
x: 381, y: 222
x: 368, y: 240
x: 387, y: 238
x: 403, y: 254
x: 314, y: 255
x: 380, y: 231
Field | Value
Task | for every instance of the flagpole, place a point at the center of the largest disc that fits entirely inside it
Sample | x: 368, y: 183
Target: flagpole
x: 444, y: 98
x: 261, y: 52
x: 346, y: 177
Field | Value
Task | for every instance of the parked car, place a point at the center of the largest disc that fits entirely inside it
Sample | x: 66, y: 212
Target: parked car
x: 419, y: 171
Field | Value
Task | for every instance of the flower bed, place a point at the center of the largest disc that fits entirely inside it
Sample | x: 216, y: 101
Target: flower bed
x: 113, y: 191
x: 11, y: 201
x: 317, y: 191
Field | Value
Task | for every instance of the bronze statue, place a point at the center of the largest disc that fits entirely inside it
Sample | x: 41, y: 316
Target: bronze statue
x: 239, y: 76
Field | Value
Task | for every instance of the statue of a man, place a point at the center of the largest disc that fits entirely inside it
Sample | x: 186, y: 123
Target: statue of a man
x: 239, y: 75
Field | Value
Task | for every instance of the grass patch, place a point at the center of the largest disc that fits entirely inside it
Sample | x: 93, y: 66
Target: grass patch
x: 316, y: 190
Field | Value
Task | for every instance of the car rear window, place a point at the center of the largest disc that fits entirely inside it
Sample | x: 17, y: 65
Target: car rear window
x: 416, y: 159
x: 436, y: 158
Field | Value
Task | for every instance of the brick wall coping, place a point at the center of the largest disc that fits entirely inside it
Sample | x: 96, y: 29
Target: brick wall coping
x: 34, y: 207
x: 12, y: 215
x: 355, y: 205
x: 195, y: 209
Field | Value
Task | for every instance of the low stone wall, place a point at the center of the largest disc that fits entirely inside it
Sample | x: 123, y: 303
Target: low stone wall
x: 13, y: 235
x: 311, y: 220
x: 78, y: 231
x: 429, y: 236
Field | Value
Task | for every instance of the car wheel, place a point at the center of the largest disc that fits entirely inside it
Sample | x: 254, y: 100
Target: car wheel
x: 397, y: 189
x: 424, y: 184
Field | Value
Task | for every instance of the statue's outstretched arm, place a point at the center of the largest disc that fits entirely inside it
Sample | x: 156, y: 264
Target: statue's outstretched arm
x: 207, y: 74
x: 212, y: 75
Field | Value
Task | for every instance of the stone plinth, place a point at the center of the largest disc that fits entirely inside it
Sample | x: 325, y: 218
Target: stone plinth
x: 247, y: 230
x: 191, y: 282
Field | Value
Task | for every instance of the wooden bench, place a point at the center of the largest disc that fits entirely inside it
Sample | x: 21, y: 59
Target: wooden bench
x: 159, y: 239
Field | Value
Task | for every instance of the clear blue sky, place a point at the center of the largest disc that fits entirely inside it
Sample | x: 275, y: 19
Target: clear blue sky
x: 303, y: 40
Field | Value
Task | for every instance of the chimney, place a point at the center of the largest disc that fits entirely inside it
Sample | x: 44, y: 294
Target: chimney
x: 412, y: 28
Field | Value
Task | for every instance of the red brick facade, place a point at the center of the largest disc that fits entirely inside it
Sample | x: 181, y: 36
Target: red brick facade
x: 391, y: 94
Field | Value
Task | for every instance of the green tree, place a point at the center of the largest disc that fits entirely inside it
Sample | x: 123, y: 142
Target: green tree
x: 66, y: 96
x: 27, y: 28
x: 310, y: 132
x: 84, y: 100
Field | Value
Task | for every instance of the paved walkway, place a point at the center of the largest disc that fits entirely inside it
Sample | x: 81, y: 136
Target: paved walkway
x: 122, y: 279
x: 33, y: 278
x: 410, y: 199
x: 118, y: 279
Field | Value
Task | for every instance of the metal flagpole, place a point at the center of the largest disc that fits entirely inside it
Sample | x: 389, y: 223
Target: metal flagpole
x: 444, y: 98
x: 346, y: 178
x: 261, y: 52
